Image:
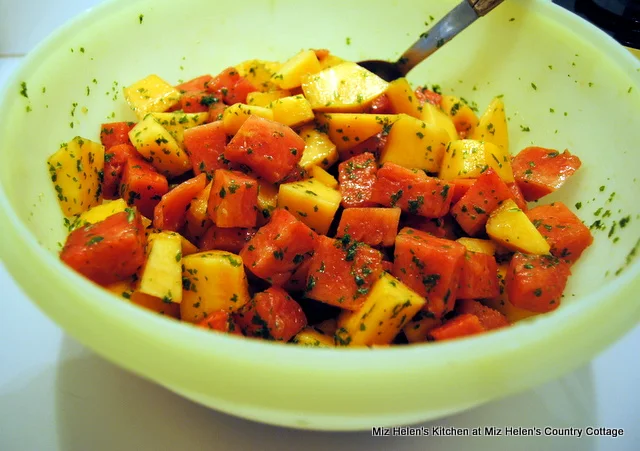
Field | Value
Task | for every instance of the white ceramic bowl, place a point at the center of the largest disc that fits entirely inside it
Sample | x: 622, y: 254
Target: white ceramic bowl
x: 591, y: 83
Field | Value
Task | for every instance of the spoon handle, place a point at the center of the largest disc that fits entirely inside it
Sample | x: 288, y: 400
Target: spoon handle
x: 458, y: 19
x: 483, y: 7
x: 446, y: 29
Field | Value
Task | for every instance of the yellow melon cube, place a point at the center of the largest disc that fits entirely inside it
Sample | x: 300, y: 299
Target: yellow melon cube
x: 161, y: 275
x: 235, y: 115
x: 415, y: 144
x: 433, y: 115
x: 386, y: 310
x: 158, y: 146
x: 463, y: 117
x: 177, y: 122
x: 347, y: 130
x: 319, y: 150
x: 316, y: 172
x: 212, y: 281
x: 259, y: 73
x: 265, y: 98
x: 311, y: 201
x: 311, y: 337
x: 101, y: 212
x: 510, y: 227
x: 292, y: 71
x: 292, y: 111
x: 467, y: 158
x: 76, y: 172
x: 330, y: 61
x: 187, y: 246
x: 151, y: 94
x: 493, y: 127
x: 403, y: 99
x: 345, y: 87
x: 478, y: 245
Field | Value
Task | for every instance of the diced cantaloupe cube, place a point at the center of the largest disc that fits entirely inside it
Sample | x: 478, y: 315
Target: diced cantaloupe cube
x: 151, y: 94
x: 510, y: 227
x: 212, y: 281
x: 311, y: 201
x: 386, y: 310
x: 235, y: 115
x: 319, y: 150
x: 345, y: 87
x: 415, y: 144
x: 157, y: 145
x: 292, y: 71
x: 76, y: 172
x: 161, y: 275
x: 467, y: 158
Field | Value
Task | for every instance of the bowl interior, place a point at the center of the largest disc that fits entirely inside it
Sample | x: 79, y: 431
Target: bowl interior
x: 559, y: 92
x: 564, y: 86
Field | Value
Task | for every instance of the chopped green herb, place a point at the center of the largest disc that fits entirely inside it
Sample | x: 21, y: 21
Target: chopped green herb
x: 396, y: 197
x: 624, y: 221
x: 94, y: 240
x: 311, y: 283
x: 414, y: 205
x: 23, y: 90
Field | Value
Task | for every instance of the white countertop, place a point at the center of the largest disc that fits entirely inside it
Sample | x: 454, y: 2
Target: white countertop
x: 57, y: 395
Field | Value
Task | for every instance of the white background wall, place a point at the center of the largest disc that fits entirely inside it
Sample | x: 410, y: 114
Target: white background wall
x: 24, y: 23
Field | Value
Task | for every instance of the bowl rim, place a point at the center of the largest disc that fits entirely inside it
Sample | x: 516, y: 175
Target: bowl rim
x: 206, y: 344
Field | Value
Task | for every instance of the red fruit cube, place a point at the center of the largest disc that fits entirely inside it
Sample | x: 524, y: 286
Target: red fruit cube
x: 142, y: 186
x: 430, y: 266
x: 342, y: 272
x: 412, y: 190
x: 171, y: 212
x: 233, y: 201
x: 272, y: 314
x: 279, y: 247
x: 479, y: 277
x: 563, y: 230
x: 540, y: 171
x: 536, y: 282
x: 357, y: 177
x: 107, y: 251
x: 484, y: 196
x: 270, y: 149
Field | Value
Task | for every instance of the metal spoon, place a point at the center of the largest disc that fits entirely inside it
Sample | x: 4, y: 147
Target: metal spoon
x: 445, y: 30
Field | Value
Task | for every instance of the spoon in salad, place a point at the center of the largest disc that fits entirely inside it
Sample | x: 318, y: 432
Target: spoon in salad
x: 459, y: 18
